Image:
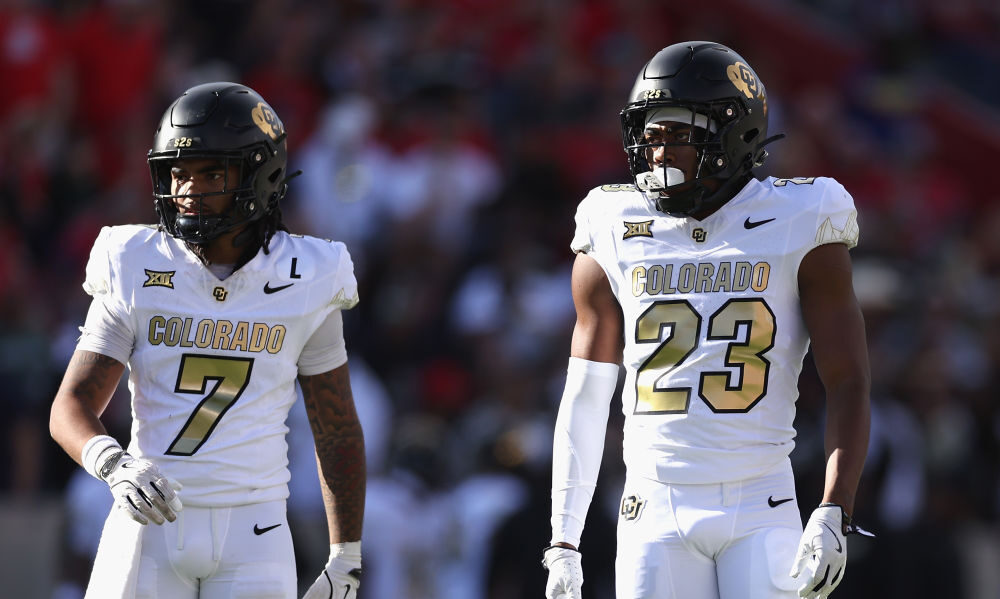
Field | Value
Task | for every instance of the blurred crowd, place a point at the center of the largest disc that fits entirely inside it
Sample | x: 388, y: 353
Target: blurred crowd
x: 447, y: 143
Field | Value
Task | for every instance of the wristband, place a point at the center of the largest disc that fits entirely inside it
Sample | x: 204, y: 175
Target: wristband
x: 560, y: 547
x: 95, y: 454
x: 349, y: 554
x: 350, y: 551
x: 545, y: 564
x: 847, y: 524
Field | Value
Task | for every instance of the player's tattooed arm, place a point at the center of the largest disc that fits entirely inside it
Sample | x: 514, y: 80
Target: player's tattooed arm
x: 340, y: 450
x: 87, y: 386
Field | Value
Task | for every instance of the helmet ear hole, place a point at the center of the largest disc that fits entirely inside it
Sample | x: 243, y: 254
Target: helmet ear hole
x: 750, y: 135
x: 275, y: 175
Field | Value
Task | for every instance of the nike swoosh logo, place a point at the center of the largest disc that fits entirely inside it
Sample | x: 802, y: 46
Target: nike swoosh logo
x: 747, y: 224
x: 840, y: 548
x: 771, y: 501
x: 259, y: 531
x: 269, y: 290
x: 356, y: 573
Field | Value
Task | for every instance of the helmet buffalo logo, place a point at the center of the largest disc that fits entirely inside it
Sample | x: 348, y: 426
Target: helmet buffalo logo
x: 268, y: 122
x: 744, y: 80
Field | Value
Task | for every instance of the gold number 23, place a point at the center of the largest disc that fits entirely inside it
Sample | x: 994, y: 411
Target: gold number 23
x: 684, y: 326
x: 231, y: 376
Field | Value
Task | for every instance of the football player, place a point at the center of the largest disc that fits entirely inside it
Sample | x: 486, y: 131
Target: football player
x: 218, y: 312
x: 709, y: 285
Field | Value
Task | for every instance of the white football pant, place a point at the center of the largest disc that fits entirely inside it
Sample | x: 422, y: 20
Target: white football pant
x: 733, y: 540
x: 219, y: 553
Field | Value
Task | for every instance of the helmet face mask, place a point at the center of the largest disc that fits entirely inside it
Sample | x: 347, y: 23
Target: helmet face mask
x: 229, y: 124
x: 203, y: 224
x: 725, y: 105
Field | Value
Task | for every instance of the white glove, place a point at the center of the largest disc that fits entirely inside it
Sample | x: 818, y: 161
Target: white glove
x: 565, y: 573
x: 141, y: 489
x: 342, y: 575
x: 822, y: 554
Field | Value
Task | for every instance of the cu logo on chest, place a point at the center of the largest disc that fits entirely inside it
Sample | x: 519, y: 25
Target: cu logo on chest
x: 632, y: 507
x: 699, y: 235
x: 220, y: 293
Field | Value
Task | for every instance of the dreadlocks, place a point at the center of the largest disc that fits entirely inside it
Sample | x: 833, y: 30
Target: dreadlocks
x: 266, y: 228
x: 255, y: 237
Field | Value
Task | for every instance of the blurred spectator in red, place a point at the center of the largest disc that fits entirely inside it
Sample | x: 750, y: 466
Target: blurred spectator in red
x: 33, y: 61
x: 116, y: 47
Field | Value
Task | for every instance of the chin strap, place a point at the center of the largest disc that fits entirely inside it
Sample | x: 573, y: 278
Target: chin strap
x: 693, y: 200
x: 188, y: 225
x: 701, y: 199
x: 849, y: 526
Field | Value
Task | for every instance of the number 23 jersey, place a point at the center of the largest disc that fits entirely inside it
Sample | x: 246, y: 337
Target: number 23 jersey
x: 714, y: 338
x: 213, y: 363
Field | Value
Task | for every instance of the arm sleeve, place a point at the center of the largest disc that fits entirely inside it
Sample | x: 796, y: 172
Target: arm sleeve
x: 326, y: 349
x: 578, y: 444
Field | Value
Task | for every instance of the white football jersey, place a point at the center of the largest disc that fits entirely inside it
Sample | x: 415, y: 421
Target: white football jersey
x: 714, y: 338
x: 213, y: 363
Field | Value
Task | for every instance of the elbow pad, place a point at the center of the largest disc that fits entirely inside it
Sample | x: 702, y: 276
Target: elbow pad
x: 578, y: 444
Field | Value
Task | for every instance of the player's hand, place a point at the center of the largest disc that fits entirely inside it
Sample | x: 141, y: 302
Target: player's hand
x: 141, y: 489
x: 822, y: 555
x: 565, y: 573
x: 342, y: 575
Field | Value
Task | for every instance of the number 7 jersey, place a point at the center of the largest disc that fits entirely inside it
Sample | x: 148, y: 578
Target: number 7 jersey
x: 213, y: 363
x: 714, y: 338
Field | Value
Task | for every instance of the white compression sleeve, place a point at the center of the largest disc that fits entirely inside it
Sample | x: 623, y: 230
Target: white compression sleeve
x: 578, y: 444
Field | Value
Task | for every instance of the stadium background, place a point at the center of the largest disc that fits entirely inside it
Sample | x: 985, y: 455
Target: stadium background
x: 447, y: 143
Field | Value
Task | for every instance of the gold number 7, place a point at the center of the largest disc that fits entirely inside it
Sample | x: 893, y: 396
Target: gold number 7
x: 231, y: 376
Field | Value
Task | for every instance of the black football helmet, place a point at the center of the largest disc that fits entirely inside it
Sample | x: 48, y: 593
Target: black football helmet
x: 710, y: 82
x: 231, y: 123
